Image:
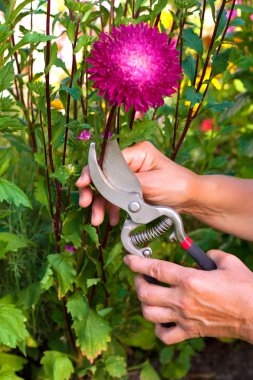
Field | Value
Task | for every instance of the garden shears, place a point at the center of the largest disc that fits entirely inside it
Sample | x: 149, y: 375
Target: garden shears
x: 116, y: 183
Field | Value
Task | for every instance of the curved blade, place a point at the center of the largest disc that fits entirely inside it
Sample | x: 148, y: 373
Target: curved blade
x: 117, y: 171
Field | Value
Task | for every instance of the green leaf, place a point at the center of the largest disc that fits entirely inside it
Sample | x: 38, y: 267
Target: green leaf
x: 160, y: 5
x: 212, y: 5
x: 116, y: 366
x: 29, y: 38
x: 193, y: 96
x: 142, y: 130
x: 18, y: 9
x: 13, y: 361
x: 193, y: 41
x: 93, y: 335
x: 29, y: 296
x: 83, y: 42
x: 73, y: 91
x: 57, y: 365
x: 138, y: 4
x: 143, y: 335
x: 12, y: 243
x: 72, y: 228
x: 92, y: 281
x: 6, y: 76
x: 41, y: 192
x: 77, y: 306
x: 189, y: 67
x: 12, y: 194
x: 220, y: 62
x: 48, y: 279
x: 12, y: 325
x: 10, y: 124
x: 148, y: 372
x: 222, y: 24
x: 91, y: 231
x: 53, y: 57
x: 7, y: 373
x: 63, y: 265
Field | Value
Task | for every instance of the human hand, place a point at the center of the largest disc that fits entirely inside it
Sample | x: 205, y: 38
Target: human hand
x: 163, y: 182
x: 202, y: 303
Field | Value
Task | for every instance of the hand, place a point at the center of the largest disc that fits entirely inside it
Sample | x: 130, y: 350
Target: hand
x: 214, y: 303
x: 163, y: 182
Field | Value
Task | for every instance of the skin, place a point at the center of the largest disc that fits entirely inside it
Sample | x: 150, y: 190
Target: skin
x: 216, y: 303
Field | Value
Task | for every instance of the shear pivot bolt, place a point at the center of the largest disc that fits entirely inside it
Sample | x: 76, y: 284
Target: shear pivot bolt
x: 147, y: 252
x: 134, y: 206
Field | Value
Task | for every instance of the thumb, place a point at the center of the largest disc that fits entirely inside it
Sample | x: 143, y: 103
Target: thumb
x: 222, y: 259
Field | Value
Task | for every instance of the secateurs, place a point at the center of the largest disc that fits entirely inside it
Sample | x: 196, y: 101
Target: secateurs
x: 117, y: 184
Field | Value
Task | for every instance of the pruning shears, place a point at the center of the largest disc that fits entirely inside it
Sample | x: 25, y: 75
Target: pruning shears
x: 116, y: 183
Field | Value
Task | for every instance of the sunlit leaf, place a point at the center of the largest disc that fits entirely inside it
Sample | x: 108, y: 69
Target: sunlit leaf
x: 63, y: 265
x: 12, y: 194
x: 148, y: 372
x: 116, y: 366
x: 57, y: 365
x: 12, y: 325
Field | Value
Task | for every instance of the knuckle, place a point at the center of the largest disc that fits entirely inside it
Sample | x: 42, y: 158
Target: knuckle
x: 191, y: 281
x: 156, y: 270
x: 146, y: 313
x: 142, y: 294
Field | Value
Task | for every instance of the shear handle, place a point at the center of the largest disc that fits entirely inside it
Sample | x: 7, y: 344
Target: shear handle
x: 197, y: 254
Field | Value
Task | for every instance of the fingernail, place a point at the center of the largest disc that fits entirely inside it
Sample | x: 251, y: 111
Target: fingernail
x: 126, y: 260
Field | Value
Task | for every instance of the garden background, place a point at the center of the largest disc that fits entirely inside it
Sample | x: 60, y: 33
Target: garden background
x: 68, y: 309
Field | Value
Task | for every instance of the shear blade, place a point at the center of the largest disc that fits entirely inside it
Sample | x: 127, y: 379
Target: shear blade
x: 117, y: 171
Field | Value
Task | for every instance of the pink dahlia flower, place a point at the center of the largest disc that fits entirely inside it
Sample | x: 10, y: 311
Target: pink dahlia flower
x: 136, y: 66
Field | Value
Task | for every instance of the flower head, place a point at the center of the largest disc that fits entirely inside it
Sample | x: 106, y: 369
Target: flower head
x: 70, y: 248
x: 84, y: 135
x: 136, y: 66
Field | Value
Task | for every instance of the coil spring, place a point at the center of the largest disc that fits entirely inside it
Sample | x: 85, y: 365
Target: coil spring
x: 151, y: 233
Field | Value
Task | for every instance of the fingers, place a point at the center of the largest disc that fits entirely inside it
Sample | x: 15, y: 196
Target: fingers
x: 98, y: 211
x: 114, y: 216
x: 171, y: 335
x: 164, y: 271
x: 158, y: 314
x: 153, y: 295
x: 85, y: 197
x: 84, y: 180
x: 223, y: 259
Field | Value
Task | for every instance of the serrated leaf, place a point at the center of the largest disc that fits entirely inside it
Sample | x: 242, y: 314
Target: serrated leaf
x: 92, y: 335
x: 116, y: 366
x: 62, y: 174
x: 12, y: 325
x: 12, y: 194
x: 7, y: 373
x: 143, y: 130
x: 189, y: 67
x: 193, y: 41
x: 193, y: 96
x: 12, y: 243
x: 10, y: 124
x: 91, y: 231
x: 47, y: 280
x: 63, y: 265
x: 92, y: 281
x: 57, y: 365
x: 220, y: 62
x: 73, y: 91
x: 6, y: 76
x: 83, y: 42
x: 13, y: 361
x: 77, y: 306
x: 148, y: 372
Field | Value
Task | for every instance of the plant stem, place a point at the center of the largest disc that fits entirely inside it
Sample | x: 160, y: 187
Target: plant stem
x: 211, y: 45
x: 73, y: 71
x: 108, y: 128
x: 131, y: 122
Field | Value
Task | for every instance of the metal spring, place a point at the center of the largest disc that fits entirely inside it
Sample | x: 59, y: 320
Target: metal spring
x: 151, y: 233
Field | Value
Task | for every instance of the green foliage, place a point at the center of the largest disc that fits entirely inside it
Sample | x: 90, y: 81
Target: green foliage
x: 75, y: 314
x: 57, y: 365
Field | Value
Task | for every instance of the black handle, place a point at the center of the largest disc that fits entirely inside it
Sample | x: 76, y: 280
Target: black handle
x: 198, y: 255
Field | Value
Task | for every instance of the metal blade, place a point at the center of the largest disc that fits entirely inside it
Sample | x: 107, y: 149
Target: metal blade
x: 117, y: 171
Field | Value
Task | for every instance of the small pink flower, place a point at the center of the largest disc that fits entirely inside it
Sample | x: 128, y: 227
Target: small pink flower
x: 208, y: 125
x: 135, y: 66
x: 84, y: 135
x: 70, y: 248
